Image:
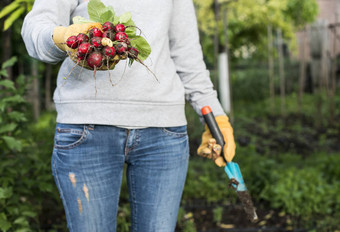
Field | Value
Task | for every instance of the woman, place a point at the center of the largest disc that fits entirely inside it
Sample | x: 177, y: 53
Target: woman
x: 139, y: 121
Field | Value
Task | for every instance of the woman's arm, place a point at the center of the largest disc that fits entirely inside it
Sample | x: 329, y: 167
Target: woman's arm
x: 38, y: 26
x: 187, y: 54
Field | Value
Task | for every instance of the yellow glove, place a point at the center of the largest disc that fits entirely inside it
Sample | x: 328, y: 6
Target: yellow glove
x: 211, y: 150
x: 61, y: 34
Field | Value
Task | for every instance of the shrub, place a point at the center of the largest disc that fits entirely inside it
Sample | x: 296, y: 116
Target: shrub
x: 27, y: 190
x: 303, y: 193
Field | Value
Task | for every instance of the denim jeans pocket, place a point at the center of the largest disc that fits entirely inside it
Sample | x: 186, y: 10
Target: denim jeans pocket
x: 68, y: 136
x: 177, y: 131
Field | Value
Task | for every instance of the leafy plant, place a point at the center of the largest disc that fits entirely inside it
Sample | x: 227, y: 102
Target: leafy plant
x: 303, y: 193
x: 26, y: 183
x: 218, y: 213
x: 11, y: 116
x: 14, y: 10
x: 123, y: 220
x: 185, y: 221
x: 14, y: 212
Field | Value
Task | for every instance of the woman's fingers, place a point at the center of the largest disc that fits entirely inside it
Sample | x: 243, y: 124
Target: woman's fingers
x: 212, y: 151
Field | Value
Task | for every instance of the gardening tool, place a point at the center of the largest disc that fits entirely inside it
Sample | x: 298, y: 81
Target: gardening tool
x: 232, y: 169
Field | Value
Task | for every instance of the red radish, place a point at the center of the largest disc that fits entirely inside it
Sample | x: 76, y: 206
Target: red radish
x: 109, y: 51
x: 133, y: 52
x: 72, y: 42
x: 96, y: 42
x: 107, y: 26
x: 95, y: 60
x: 95, y: 32
x: 121, y: 48
x: 84, y: 48
x: 119, y: 28
x: 121, y: 36
x: 80, y: 56
x: 82, y: 38
x: 109, y: 34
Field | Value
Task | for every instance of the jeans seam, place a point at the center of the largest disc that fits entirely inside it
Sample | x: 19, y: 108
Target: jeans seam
x: 61, y: 192
x: 134, y: 144
x: 136, y: 140
x: 126, y: 148
x: 75, y: 144
x: 133, y: 201
x: 175, y: 134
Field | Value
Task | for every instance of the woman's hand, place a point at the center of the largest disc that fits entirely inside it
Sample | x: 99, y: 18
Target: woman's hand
x: 211, y: 150
x: 61, y: 34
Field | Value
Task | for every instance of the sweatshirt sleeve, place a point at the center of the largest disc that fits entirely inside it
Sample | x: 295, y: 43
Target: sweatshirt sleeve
x: 187, y: 54
x: 38, y: 26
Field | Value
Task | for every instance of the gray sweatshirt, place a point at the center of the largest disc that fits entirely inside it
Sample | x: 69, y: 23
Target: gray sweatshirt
x: 137, y: 100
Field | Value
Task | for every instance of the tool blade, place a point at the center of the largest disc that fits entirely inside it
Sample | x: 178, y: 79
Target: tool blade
x: 236, y: 182
x: 248, y: 205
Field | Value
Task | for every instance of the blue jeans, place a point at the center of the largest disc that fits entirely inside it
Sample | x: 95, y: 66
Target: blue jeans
x: 88, y: 163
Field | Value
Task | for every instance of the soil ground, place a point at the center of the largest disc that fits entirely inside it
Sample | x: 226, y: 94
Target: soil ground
x: 234, y: 219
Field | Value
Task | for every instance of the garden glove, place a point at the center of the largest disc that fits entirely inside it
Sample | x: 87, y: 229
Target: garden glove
x: 211, y: 150
x: 61, y: 34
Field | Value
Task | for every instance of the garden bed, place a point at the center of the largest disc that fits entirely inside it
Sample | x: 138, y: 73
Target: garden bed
x: 213, y: 217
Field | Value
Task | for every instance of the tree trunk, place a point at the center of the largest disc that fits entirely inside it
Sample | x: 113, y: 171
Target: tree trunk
x: 281, y: 72
x: 271, y: 68
x: 302, y: 70
x: 35, y: 89
x: 48, y: 80
x: 322, y: 87
x: 226, y: 49
x: 325, y: 61
x: 216, y: 42
x: 7, y: 49
x: 333, y: 80
x: 6, y: 41
x: 318, y: 37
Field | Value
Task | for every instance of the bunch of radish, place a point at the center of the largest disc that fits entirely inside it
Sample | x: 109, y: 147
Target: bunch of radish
x: 104, y: 46
x: 111, y: 39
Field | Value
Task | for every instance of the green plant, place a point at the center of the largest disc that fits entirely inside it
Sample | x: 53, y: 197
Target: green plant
x: 15, y: 214
x: 185, y: 221
x: 14, y: 10
x: 123, y: 219
x: 11, y: 117
x: 27, y: 190
x: 303, y: 193
x: 189, y: 227
x: 250, y: 84
x: 299, y: 192
x: 218, y: 213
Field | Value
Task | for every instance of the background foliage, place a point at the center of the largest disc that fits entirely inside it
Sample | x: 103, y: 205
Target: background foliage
x: 248, y: 21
